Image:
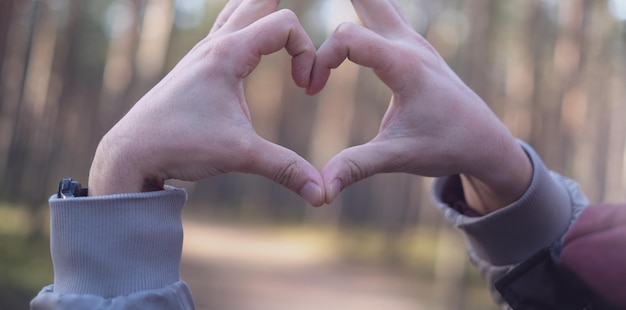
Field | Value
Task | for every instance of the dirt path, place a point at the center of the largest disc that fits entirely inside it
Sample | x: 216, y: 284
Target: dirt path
x: 252, y: 268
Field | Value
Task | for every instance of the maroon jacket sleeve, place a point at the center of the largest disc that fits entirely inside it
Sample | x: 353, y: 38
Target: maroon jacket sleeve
x: 595, y: 249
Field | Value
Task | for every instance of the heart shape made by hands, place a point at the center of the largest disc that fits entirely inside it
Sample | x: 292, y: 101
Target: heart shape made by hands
x: 199, y: 124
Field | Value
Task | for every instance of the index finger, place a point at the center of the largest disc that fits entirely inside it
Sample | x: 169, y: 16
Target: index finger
x: 361, y: 46
x: 279, y: 30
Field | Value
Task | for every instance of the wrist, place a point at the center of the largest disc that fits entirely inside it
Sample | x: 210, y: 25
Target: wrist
x: 503, y: 179
x: 117, y: 168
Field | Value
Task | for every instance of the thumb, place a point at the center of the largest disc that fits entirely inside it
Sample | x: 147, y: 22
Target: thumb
x: 357, y: 163
x: 286, y: 168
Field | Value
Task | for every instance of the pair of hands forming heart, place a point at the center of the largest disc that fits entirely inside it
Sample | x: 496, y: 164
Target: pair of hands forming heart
x: 195, y: 123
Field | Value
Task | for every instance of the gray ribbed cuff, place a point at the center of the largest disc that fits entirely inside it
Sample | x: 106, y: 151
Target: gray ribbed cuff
x: 510, y: 235
x: 116, y: 245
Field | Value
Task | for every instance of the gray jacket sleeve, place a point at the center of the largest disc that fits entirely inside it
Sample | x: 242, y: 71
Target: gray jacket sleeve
x: 498, y: 242
x: 117, y: 252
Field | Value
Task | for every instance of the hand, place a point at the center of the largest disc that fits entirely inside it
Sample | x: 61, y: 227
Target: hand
x: 195, y: 123
x: 434, y: 126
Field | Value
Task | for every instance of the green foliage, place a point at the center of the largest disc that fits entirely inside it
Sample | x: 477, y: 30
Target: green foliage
x: 25, y: 267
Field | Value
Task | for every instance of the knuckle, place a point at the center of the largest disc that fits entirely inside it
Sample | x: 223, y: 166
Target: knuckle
x: 210, y: 47
x: 354, y: 173
x: 287, y: 174
x: 287, y: 15
x: 285, y: 19
x: 217, y: 53
x: 344, y: 30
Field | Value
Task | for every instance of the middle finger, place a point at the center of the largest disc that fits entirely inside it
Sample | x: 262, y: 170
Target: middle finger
x: 225, y: 14
x: 382, y: 16
x: 248, y: 12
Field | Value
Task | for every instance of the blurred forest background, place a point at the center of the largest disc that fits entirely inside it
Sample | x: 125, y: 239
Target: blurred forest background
x: 553, y: 71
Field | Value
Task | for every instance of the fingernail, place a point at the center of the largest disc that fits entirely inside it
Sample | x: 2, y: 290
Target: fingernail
x: 312, y: 193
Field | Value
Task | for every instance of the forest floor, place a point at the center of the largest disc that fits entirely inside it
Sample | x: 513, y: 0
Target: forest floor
x: 231, y: 267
